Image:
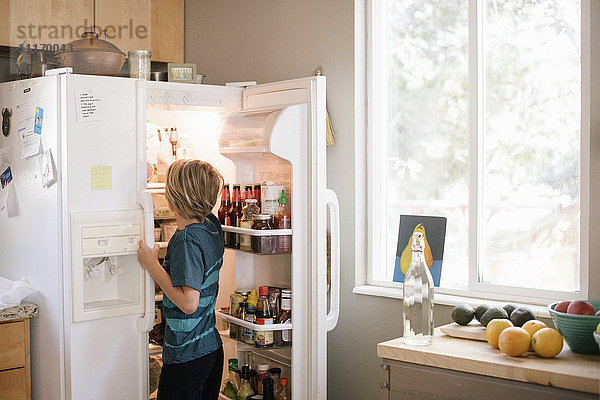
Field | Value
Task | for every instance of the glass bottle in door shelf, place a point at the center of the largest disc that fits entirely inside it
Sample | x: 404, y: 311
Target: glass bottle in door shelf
x: 251, y: 318
x: 235, y: 216
x: 264, y: 316
x: 417, y: 298
x: 268, y: 391
x: 257, y: 194
x: 283, y: 392
x: 174, y: 138
x: 232, y: 382
x: 263, y: 371
x: 245, y: 390
x: 248, y: 213
x: 284, y: 338
x: 223, y: 212
x: 241, y: 334
x: 235, y: 301
x: 275, y: 374
x: 248, y: 193
x: 283, y: 220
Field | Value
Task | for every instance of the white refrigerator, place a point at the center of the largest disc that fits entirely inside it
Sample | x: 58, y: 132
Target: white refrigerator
x: 79, y: 201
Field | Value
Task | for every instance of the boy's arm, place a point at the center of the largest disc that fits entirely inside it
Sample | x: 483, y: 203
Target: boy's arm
x: 184, y: 297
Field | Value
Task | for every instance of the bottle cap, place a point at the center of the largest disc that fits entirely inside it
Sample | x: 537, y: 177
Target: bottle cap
x: 263, y: 367
x: 283, y: 381
x: 263, y: 290
x: 282, y: 198
x: 275, y: 370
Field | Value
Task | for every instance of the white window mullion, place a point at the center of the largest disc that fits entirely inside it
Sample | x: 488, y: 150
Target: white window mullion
x: 376, y: 143
x: 476, y: 126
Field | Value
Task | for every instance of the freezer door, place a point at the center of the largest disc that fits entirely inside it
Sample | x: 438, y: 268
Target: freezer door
x: 302, y: 143
x: 101, y: 168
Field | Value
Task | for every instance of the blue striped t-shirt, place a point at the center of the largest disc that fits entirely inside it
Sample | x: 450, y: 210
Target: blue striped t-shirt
x: 194, y: 258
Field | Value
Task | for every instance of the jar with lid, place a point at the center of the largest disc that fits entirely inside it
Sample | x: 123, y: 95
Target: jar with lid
x: 263, y: 244
x: 248, y: 212
x: 235, y: 299
x: 263, y: 372
x: 139, y: 64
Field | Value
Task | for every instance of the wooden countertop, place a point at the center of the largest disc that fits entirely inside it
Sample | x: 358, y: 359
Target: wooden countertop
x: 568, y: 370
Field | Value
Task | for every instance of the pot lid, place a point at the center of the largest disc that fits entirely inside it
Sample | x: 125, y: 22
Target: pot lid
x: 90, y: 42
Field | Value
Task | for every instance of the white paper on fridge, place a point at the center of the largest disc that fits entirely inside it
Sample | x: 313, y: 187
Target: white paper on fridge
x: 89, y: 106
x: 5, y: 178
x: 31, y: 142
x: 48, y: 169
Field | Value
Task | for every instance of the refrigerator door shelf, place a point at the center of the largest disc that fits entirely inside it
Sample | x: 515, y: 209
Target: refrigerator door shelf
x: 245, y: 324
x: 279, y: 355
x: 254, y: 232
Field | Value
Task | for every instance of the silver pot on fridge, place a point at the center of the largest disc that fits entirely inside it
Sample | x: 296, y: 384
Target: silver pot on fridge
x: 92, y: 56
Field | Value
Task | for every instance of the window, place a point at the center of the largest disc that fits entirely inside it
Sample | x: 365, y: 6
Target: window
x: 475, y: 114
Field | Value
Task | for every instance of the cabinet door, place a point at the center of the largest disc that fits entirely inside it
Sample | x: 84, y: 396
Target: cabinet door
x: 12, y: 345
x: 167, y: 30
x: 13, y: 384
x: 43, y: 22
x: 128, y: 23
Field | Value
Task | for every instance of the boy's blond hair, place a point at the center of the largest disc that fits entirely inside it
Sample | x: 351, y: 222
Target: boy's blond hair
x: 193, y: 187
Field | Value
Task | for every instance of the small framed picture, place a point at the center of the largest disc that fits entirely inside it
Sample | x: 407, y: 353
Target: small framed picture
x: 182, y: 73
x: 434, y: 231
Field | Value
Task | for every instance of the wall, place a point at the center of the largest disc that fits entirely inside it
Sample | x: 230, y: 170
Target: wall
x: 277, y: 40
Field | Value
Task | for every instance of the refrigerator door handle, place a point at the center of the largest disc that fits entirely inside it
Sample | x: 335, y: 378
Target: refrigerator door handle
x: 334, y: 222
x: 146, y: 322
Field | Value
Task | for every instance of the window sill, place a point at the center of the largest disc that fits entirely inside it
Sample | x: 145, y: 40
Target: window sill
x: 446, y: 299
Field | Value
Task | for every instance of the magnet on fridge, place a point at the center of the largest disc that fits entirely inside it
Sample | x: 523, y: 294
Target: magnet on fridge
x: 48, y: 169
x: 6, y: 114
x: 39, y: 118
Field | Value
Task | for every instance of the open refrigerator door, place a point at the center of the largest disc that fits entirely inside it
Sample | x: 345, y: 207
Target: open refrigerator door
x: 271, y: 137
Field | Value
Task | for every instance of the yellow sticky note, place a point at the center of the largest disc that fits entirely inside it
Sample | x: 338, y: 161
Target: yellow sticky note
x: 101, y: 178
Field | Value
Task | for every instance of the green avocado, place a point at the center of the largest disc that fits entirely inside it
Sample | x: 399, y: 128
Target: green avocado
x: 482, y: 308
x: 462, y: 314
x: 493, y: 313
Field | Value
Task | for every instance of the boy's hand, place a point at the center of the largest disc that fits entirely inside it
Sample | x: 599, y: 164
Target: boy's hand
x: 147, y: 256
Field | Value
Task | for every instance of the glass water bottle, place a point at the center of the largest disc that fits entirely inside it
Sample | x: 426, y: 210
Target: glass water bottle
x: 417, y: 303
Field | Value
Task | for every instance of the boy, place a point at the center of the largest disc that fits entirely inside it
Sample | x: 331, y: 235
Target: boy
x: 189, y: 278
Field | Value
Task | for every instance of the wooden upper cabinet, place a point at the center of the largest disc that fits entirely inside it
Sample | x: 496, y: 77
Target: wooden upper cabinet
x: 155, y: 25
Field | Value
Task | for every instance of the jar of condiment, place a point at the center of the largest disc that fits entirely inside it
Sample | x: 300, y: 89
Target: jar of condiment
x: 263, y: 371
x: 139, y: 64
x: 235, y: 299
x: 263, y: 244
x: 248, y: 212
x: 224, y: 322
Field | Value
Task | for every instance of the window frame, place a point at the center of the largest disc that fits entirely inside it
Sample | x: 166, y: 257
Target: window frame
x: 375, y: 199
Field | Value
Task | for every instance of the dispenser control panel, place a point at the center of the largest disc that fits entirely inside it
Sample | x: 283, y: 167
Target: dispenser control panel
x: 110, y: 239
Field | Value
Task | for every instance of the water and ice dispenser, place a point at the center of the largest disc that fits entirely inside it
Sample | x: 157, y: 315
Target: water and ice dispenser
x: 106, y: 278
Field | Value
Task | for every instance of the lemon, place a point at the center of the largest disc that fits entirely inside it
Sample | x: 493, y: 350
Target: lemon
x: 547, y: 342
x: 494, y: 328
x: 514, y: 341
x: 598, y: 329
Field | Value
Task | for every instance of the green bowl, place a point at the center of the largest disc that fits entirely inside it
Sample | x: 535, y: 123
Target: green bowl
x: 578, y: 329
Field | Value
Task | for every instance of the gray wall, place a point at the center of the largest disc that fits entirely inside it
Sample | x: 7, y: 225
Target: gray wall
x: 270, y: 40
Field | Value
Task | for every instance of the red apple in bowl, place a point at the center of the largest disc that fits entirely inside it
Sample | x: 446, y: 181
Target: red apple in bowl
x: 562, y: 306
x: 580, y: 307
